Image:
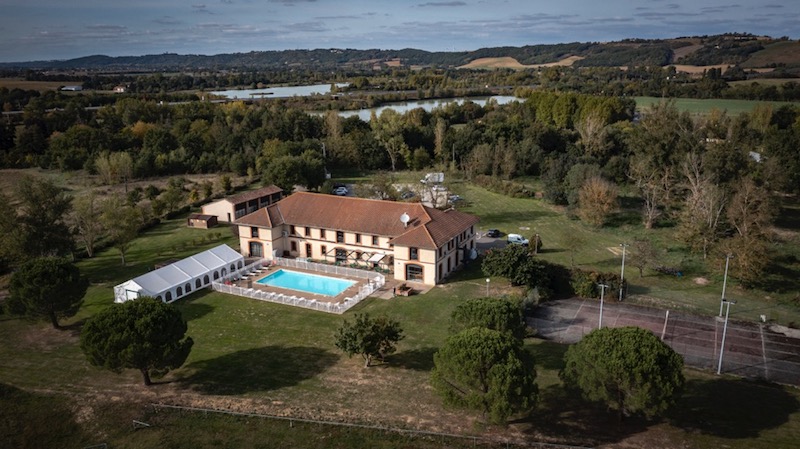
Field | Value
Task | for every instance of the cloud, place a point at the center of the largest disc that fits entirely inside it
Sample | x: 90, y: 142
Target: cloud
x: 167, y: 20
x: 772, y: 5
x: 336, y: 17
x: 314, y: 27
x: 291, y: 2
x: 455, y: 3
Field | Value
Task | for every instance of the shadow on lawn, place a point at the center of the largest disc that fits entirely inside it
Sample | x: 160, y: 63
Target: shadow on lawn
x: 733, y: 408
x: 417, y: 359
x: 259, y: 369
x: 566, y: 414
x: 191, y: 309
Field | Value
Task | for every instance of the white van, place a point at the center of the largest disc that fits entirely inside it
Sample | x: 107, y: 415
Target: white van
x: 517, y: 239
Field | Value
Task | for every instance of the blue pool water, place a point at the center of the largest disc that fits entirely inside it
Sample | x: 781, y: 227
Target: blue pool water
x: 304, y: 282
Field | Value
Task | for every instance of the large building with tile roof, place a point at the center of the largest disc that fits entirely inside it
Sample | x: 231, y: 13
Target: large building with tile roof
x: 237, y: 206
x: 415, y: 242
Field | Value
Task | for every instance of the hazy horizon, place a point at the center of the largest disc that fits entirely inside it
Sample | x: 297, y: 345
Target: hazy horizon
x: 57, y: 30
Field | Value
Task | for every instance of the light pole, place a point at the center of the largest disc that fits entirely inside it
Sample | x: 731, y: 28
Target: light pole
x: 724, y: 282
x: 622, y: 274
x: 724, y: 332
x: 603, y: 288
x: 487, y: 287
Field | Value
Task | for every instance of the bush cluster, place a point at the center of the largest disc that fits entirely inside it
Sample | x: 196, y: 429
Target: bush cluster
x: 586, y: 284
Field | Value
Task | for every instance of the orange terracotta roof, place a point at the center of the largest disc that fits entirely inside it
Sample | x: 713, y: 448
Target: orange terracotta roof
x: 253, y: 194
x: 427, y: 227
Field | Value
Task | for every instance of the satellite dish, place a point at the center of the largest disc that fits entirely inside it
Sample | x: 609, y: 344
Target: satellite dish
x: 405, y: 219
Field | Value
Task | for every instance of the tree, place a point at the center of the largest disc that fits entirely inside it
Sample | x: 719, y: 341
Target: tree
x: 596, y: 200
x: 750, y: 213
x: 44, y: 208
x: 642, y: 255
x: 388, y: 131
x: 369, y: 337
x: 122, y: 222
x: 627, y: 368
x: 86, y: 221
x: 47, y: 287
x: 515, y: 263
x: 485, y: 370
x: 144, y: 334
x: 491, y: 313
x: 701, y: 218
x: 654, y: 183
x: 10, y: 248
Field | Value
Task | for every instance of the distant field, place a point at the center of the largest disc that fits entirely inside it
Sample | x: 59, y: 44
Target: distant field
x: 699, y: 69
x: 511, y: 63
x: 703, y: 107
x: 765, y: 81
x: 778, y: 53
x: 17, y: 83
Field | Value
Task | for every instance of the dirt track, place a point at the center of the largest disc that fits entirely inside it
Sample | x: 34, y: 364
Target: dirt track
x: 752, y: 350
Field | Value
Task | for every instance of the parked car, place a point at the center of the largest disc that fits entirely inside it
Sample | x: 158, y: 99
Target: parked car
x: 341, y: 191
x: 455, y: 198
x: 408, y: 195
x: 516, y: 239
x: 494, y: 233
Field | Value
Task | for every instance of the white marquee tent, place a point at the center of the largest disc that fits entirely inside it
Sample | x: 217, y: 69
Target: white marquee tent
x: 179, y: 279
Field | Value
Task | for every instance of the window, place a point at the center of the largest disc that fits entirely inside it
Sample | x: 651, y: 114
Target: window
x: 375, y: 240
x: 294, y: 247
x: 414, y: 273
x: 339, y: 237
x: 324, y: 250
x: 322, y: 234
x: 413, y: 253
x: 308, y: 250
x: 440, y: 251
x: 197, y: 284
x: 292, y: 230
x: 308, y: 232
x: 254, y: 232
x: 358, y: 238
x: 341, y: 255
x: 256, y: 249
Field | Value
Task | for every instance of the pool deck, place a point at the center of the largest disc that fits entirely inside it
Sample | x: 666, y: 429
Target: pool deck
x: 385, y: 292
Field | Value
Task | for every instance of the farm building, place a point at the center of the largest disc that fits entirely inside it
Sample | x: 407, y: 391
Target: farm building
x: 234, y: 207
x: 181, y: 278
x: 201, y: 221
x: 415, y: 242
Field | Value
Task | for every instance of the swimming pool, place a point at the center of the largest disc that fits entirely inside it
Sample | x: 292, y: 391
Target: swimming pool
x: 304, y: 282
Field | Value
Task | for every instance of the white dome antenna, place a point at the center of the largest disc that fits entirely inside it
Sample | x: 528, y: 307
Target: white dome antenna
x: 405, y: 219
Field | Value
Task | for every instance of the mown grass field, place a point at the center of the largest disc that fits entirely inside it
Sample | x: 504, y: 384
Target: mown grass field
x: 266, y: 358
x: 704, y: 106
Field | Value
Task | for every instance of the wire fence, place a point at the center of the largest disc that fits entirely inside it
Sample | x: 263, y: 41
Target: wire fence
x: 374, y: 281
x: 410, y: 432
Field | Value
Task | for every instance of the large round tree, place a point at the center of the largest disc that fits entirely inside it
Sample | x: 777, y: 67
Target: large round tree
x: 144, y: 334
x: 627, y: 368
x: 499, y: 314
x: 485, y: 370
x: 47, y: 287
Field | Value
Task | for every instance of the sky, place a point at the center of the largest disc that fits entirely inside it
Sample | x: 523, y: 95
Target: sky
x: 64, y: 29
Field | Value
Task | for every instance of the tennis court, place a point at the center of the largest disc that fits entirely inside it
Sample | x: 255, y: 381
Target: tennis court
x: 752, y: 350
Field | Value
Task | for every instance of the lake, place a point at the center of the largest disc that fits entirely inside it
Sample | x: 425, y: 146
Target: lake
x: 427, y: 105
x: 277, y: 92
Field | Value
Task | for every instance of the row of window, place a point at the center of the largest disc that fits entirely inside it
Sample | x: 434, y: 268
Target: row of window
x: 323, y: 235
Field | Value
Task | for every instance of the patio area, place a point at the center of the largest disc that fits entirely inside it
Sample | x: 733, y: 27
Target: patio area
x: 245, y: 283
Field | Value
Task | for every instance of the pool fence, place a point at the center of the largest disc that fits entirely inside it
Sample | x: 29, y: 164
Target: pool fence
x: 374, y: 281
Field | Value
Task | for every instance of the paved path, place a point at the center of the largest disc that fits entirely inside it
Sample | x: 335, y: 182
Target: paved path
x: 752, y: 350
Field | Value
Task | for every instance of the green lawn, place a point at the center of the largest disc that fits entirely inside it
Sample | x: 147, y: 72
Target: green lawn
x: 565, y: 240
x: 704, y: 106
x: 269, y: 358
